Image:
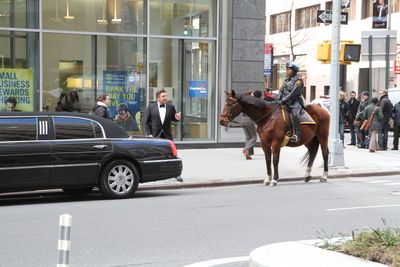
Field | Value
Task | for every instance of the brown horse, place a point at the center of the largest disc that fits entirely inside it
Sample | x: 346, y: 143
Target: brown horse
x: 272, y: 129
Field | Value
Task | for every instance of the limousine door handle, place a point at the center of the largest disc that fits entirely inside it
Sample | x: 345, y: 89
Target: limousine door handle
x: 100, y: 146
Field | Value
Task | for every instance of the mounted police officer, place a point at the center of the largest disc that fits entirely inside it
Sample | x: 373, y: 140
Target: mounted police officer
x: 290, y: 95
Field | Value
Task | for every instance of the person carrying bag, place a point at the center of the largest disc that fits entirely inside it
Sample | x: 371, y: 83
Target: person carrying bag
x: 373, y: 124
x: 367, y: 123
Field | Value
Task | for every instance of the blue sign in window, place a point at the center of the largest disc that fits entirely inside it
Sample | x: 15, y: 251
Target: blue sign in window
x: 198, y: 89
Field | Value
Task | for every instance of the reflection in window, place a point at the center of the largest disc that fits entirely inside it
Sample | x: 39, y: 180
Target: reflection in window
x: 280, y: 22
x: 17, y: 129
x: 305, y: 17
x: 116, y: 16
x: 183, y: 18
x: 73, y: 128
x: 19, y: 70
x: 19, y: 14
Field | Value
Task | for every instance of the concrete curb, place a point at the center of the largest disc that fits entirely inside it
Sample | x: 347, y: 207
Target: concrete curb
x: 213, y: 183
x: 299, y: 254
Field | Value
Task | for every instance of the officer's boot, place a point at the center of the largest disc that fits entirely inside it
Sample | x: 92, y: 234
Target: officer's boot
x: 295, y: 138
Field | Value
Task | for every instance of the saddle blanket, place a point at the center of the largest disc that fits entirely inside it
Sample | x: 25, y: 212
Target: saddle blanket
x: 305, y: 118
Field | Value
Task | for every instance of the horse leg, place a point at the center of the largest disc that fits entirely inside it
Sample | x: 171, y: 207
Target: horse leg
x: 267, y: 153
x: 323, y: 137
x: 276, y: 150
x: 312, y: 148
x: 325, y: 155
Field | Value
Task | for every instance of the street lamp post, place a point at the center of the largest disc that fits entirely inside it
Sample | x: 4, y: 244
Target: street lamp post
x: 335, y: 144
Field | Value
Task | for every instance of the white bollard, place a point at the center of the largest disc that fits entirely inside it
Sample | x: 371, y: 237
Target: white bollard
x: 64, y: 238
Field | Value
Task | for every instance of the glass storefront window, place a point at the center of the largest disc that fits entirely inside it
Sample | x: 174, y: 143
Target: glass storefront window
x: 186, y: 69
x: 19, y: 14
x: 19, y: 71
x: 121, y: 74
x: 114, y: 16
x: 183, y: 18
x: 78, y: 68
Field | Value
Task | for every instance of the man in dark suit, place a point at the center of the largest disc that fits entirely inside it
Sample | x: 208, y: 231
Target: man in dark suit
x: 158, y: 117
x: 353, y: 107
x: 380, y: 12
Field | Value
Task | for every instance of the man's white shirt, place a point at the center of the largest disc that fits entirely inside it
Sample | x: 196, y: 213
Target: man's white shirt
x: 162, y: 111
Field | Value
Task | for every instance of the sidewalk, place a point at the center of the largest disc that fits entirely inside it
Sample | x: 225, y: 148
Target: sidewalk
x: 228, y: 166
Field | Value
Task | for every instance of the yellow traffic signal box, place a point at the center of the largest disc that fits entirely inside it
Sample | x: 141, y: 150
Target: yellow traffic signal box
x: 324, y: 52
x: 350, y: 52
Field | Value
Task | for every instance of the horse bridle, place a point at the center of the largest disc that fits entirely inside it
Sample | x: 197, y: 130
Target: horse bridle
x: 232, y: 106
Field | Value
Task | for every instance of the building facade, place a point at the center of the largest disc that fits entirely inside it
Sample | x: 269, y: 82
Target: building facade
x: 293, y: 30
x: 60, y: 55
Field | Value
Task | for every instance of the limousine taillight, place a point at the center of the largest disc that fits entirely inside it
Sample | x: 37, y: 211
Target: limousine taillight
x: 173, y: 148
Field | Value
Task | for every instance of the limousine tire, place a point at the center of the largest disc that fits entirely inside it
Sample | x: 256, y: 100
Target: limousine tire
x: 77, y: 191
x: 119, y: 179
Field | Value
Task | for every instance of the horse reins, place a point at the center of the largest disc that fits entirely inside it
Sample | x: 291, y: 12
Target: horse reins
x: 229, y: 115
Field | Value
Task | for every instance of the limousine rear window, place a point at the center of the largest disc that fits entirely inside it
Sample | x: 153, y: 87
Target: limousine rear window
x: 97, y: 130
x: 73, y: 128
x: 17, y: 129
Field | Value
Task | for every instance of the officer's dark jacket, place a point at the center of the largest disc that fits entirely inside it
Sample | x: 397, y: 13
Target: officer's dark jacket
x: 290, y: 91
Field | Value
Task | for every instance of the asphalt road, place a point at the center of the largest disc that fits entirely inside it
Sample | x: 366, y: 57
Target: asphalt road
x: 179, y: 227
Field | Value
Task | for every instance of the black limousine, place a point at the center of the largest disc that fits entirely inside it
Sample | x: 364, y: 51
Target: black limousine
x: 77, y: 152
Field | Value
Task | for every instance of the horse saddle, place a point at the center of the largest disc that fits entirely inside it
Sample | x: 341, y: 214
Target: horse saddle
x: 304, y: 117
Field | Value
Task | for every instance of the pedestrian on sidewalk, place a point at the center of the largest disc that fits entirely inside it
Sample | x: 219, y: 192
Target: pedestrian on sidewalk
x: 374, y: 115
x: 159, y: 116
x: 396, y: 125
x: 249, y: 129
x: 101, y: 107
x: 343, y: 114
x: 387, y: 107
x: 353, y: 107
x: 363, y: 134
x: 268, y: 96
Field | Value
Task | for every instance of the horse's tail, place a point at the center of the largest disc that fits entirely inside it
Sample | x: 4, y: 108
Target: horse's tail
x: 310, y: 155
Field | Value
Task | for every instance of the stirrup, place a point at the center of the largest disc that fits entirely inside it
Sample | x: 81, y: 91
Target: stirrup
x: 294, y: 138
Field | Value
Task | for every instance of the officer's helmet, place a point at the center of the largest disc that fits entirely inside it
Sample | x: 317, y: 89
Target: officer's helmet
x: 293, y: 66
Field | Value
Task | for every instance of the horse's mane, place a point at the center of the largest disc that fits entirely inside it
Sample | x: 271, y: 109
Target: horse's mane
x: 251, y: 100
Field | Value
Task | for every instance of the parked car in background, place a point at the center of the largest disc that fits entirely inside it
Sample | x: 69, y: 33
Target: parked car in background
x: 77, y: 152
x: 394, y: 95
x: 324, y: 102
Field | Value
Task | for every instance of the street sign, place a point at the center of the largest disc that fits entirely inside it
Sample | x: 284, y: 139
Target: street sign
x: 345, y: 4
x: 268, y: 49
x: 325, y: 16
x: 397, y: 61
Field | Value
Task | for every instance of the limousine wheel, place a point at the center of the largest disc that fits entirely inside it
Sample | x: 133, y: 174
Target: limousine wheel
x: 77, y: 191
x: 119, y: 179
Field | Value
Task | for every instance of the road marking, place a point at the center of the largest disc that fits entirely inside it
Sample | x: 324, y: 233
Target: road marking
x: 359, y: 179
x: 392, y: 184
x: 218, y: 262
x: 364, y: 207
x: 377, y: 182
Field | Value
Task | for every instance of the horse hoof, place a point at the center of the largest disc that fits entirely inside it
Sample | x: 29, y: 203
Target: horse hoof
x: 307, y: 179
x: 267, y: 181
x: 273, y: 183
x: 323, y: 180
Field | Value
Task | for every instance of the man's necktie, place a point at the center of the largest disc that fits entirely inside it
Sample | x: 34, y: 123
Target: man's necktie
x: 162, y: 105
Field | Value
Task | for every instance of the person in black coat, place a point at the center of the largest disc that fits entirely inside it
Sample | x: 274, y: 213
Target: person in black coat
x: 101, y: 107
x: 353, y: 107
x: 343, y: 114
x: 159, y: 115
x: 396, y: 126
x: 387, y: 107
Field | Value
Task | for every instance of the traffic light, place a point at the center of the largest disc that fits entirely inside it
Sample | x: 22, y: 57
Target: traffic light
x: 324, y: 52
x: 350, y: 52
